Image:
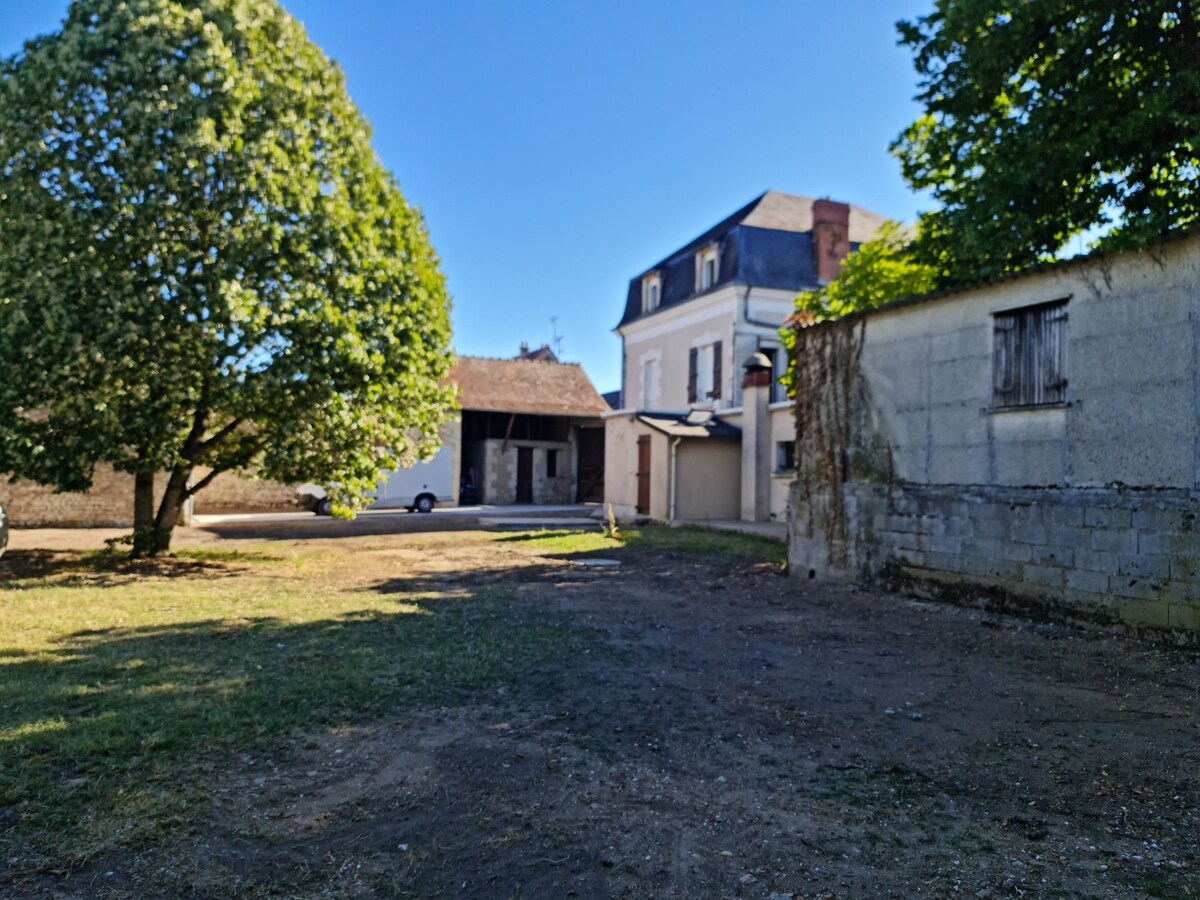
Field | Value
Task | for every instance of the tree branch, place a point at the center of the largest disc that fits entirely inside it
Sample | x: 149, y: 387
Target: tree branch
x: 217, y: 439
x: 203, y: 482
x: 208, y: 479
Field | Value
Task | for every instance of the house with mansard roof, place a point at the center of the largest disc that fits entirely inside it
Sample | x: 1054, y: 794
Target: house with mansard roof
x: 690, y: 323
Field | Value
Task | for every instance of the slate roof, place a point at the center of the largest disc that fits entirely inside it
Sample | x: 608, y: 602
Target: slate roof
x: 767, y: 243
x: 532, y: 387
x: 673, y: 424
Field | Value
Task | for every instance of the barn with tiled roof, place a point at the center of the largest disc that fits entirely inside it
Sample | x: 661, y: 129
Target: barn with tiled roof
x: 531, y: 431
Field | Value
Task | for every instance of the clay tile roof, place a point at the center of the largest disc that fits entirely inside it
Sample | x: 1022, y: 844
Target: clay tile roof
x: 533, y: 387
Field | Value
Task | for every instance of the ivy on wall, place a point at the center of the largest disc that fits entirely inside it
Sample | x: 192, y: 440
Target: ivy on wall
x: 824, y: 339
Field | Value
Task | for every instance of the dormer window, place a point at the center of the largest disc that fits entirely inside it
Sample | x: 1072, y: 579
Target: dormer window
x: 651, y: 292
x: 706, y: 268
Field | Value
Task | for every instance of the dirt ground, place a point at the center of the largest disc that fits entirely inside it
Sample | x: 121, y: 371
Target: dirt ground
x: 725, y: 732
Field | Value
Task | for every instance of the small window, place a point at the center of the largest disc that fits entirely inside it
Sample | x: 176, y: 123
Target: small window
x: 785, y: 456
x: 551, y: 463
x: 707, y: 268
x: 704, y: 372
x: 651, y: 291
x: 777, y: 358
x: 649, y: 383
x: 1029, y: 363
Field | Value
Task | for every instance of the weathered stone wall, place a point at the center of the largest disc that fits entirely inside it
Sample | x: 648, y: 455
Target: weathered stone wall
x: 1087, y: 508
x: 231, y: 492
x: 109, y: 504
x: 498, y: 471
x: 1108, y: 555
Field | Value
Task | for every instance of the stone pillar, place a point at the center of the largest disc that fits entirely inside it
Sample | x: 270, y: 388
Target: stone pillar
x: 756, y: 439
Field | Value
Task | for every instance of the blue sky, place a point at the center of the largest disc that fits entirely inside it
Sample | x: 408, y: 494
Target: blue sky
x: 559, y: 148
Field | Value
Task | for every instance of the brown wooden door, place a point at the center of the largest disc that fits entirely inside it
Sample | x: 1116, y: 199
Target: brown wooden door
x: 524, y: 474
x: 643, y: 475
x: 591, y: 465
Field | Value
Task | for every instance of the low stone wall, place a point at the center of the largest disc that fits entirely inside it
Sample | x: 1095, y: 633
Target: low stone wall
x: 1107, y: 555
x: 108, y: 504
x: 231, y: 492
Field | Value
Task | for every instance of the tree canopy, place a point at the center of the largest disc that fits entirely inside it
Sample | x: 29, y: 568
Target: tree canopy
x: 203, y: 263
x: 1050, y: 119
x: 880, y: 271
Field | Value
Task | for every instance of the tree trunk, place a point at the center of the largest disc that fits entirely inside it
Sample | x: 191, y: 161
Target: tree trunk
x: 170, y: 507
x: 143, y: 514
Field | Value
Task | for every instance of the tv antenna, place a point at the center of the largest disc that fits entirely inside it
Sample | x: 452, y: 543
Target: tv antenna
x: 556, y: 340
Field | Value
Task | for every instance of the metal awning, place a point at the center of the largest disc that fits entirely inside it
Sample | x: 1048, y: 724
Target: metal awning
x: 689, y: 426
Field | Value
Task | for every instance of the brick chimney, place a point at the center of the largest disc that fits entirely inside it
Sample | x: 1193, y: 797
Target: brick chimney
x: 831, y: 237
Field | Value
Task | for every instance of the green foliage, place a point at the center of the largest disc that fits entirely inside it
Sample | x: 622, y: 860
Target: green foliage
x: 202, y: 261
x: 1046, y: 120
x: 880, y: 271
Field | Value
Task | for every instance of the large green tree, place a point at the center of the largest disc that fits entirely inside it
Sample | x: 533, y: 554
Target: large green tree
x: 203, y: 263
x: 1044, y: 120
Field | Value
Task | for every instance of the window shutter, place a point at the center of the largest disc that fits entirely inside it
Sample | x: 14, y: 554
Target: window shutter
x: 716, y: 383
x: 1054, y: 368
x: 693, y: 356
x: 1029, y: 360
x: 1004, y: 361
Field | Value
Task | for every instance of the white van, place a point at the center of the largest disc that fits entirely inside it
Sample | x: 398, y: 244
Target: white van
x: 418, y: 488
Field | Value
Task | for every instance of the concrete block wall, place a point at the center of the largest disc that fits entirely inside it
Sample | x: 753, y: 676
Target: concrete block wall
x: 1117, y: 556
x: 1086, y: 508
x: 1133, y: 341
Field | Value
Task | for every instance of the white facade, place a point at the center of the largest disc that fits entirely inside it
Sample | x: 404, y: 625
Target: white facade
x: 694, y: 325
x: 734, y: 320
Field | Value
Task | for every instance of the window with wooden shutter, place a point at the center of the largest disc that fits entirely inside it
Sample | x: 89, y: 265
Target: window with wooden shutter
x: 715, y: 393
x: 693, y: 359
x: 1029, y: 358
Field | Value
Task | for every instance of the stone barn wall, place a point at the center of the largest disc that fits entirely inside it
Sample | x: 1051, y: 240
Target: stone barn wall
x: 108, y: 504
x: 231, y: 492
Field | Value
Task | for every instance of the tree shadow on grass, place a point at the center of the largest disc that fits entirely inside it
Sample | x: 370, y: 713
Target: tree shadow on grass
x: 556, y: 570
x: 106, y: 735
x: 68, y: 568
x: 325, y: 528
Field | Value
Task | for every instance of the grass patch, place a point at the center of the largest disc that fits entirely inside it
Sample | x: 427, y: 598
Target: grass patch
x: 118, y: 694
x: 690, y: 540
x: 221, y: 554
x: 568, y: 541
